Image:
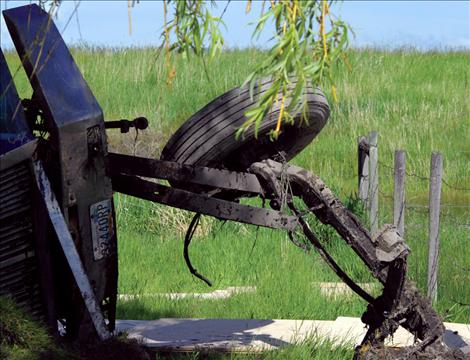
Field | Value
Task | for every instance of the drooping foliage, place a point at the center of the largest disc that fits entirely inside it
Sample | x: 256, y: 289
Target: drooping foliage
x: 307, y: 42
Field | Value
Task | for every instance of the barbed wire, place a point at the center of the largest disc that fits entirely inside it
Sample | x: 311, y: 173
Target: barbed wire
x: 442, y: 222
x: 424, y: 178
x: 385, y: 195
x: 442, y: 206
x: 455, y: 187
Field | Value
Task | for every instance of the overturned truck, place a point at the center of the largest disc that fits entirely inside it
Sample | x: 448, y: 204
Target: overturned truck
x: 58, y: 236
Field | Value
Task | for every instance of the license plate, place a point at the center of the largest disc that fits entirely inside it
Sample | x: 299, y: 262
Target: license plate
x: 102, y: 228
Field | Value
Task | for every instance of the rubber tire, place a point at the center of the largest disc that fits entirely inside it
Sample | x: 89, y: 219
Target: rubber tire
x: 208, y: 137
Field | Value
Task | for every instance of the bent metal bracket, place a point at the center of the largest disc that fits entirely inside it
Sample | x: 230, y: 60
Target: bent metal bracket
x: 56, y: 141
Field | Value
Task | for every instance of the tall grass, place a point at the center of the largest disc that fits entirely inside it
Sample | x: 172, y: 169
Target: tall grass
x: 418, y: 102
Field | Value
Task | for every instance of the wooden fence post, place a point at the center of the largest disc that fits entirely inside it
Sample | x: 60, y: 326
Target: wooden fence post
x: 399, y: 192
x: 434, y: 210
x: 373, y: 183
x: 363, y: 170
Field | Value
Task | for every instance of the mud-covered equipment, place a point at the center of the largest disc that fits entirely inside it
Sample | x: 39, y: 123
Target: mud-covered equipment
x: 58, y: 237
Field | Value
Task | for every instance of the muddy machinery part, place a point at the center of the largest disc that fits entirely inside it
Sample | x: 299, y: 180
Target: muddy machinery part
x: 385, y: 255
x: 73, y: 152
x: 61, y: 185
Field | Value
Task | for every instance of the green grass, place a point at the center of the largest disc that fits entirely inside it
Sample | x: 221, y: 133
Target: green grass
x: 418, y: 102
x: 284, y: 277
x: 311, y: 349
x: 23, y: 338
x: 237, y: 255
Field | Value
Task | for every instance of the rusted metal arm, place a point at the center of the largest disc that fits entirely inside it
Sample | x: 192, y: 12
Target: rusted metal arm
x: 173, y: 171
x: 385, y: 255
x: 201, y: 203
x: 328, y: 209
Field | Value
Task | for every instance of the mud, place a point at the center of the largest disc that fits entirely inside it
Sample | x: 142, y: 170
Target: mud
x: 385, y: 255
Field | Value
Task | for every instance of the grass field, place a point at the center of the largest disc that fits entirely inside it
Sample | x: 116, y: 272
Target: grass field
x: 419, y: 102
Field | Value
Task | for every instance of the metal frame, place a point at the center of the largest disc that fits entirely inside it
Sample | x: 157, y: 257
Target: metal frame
x: 76, y: 150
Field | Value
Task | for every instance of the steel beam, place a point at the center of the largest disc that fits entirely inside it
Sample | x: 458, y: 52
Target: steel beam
x: 204, y: 204
x: 173, y: 171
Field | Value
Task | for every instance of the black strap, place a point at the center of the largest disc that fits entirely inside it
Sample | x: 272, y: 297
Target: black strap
x: 187, y: 240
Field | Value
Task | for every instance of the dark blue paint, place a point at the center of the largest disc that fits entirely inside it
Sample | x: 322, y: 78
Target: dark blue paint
x: 14, y: 130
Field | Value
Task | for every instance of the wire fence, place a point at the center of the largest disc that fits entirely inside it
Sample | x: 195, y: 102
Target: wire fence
x: 445, y: 224
x: 413, y: 174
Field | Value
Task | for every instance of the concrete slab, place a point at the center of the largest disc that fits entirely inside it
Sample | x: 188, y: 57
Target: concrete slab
x: 458, y: 336
x: 220, y: 334
x: 353, y: 330
x: 239, y: 335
